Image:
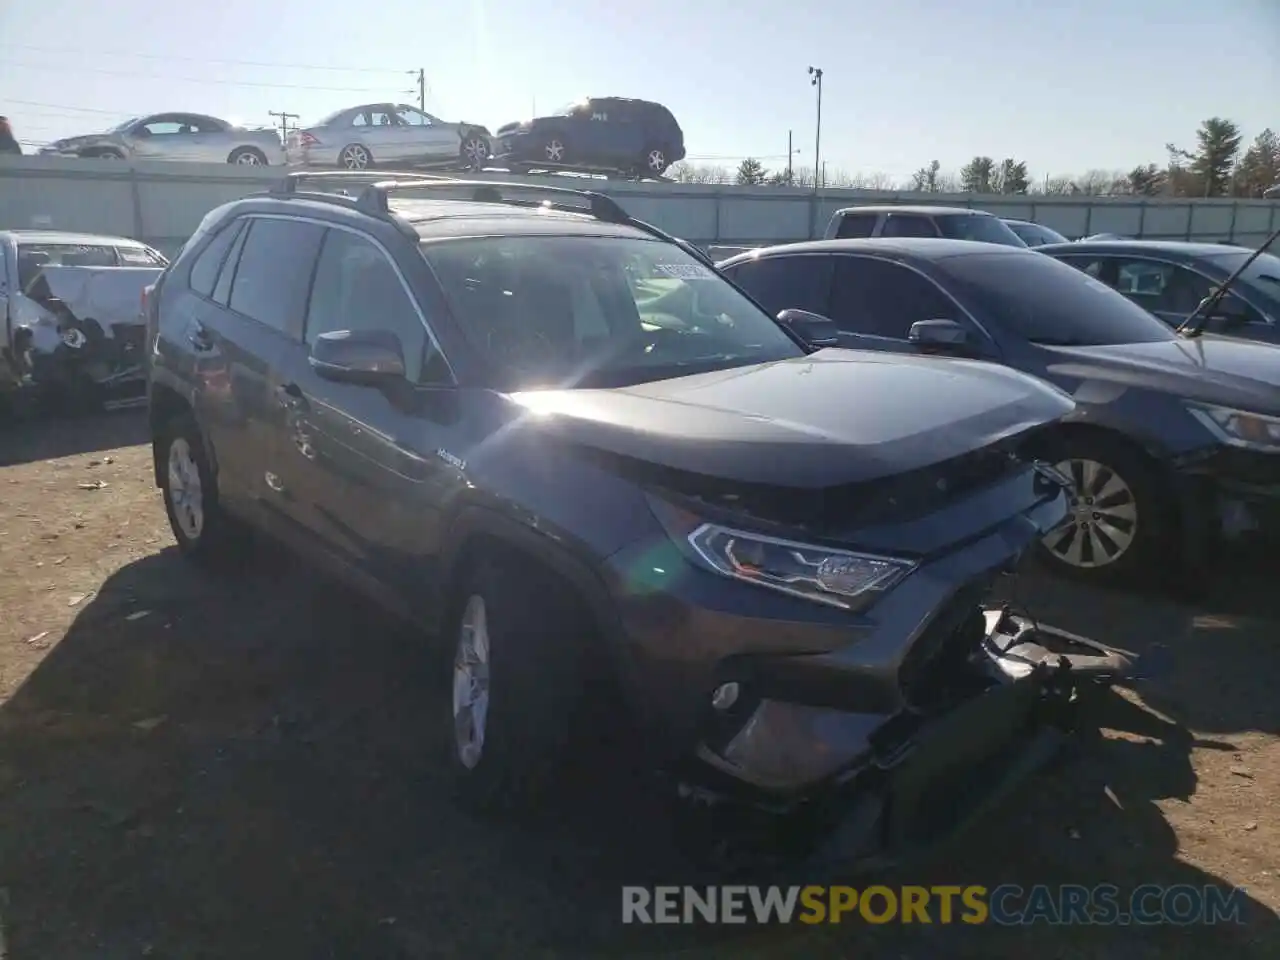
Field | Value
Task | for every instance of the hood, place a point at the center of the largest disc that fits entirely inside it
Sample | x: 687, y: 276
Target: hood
x: 80, y: 141
x: 1236, y: 373
x: 832, y: 418
x: 514, y: 127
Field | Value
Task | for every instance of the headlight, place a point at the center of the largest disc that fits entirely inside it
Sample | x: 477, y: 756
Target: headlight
x: 1239, y: 428
x: 839, y: 578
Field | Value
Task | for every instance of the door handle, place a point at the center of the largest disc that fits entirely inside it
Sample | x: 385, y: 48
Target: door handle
x: 200, y: 339
x: 290, y: 396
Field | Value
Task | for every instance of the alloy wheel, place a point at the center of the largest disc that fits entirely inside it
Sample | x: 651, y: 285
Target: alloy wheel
x: 471, y: 683
x: 476, y: 151
x: 555, y: 151
x: 248, y: 160
x: 186, y: 493
x: 355, y: 158
x: 657, y: 161
x: 1102, y: 522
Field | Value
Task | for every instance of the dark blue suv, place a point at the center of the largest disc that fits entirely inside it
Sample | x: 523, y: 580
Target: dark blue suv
x: 559, y: 439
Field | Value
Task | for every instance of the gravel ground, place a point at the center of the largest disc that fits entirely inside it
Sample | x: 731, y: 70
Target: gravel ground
x: 249, y: 768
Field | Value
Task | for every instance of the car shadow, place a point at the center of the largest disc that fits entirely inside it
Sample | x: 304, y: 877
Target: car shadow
x: 252, y: 766
x: 31, y: 438
x: 1223, y: 648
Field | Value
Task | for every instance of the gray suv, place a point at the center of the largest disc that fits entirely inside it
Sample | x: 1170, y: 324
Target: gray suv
x: 559, y: 439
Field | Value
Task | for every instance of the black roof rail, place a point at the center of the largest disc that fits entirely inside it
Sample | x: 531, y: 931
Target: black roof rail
x: 374, y: 198
x: 291, y: 183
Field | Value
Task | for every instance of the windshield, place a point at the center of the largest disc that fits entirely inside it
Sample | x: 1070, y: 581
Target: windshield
x: 1263, y: 274
x: 965, y: 226
x: 123, y: 126
x: 559, y: 311
x: 1048, y: 302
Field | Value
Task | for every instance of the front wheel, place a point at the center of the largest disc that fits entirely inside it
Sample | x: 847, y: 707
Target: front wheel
x: 475, y: 152
x: 1119, y: 517
x: 247, y: 157
x: 518, y: 679
x: 655, y: 162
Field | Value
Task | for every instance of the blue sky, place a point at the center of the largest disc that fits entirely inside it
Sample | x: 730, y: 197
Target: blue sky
x: 1067, y: 86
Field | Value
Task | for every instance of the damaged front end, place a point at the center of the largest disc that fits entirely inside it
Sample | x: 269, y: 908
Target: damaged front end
x: 907, y: 717
x: 77, y: 335
x: 784, y: 783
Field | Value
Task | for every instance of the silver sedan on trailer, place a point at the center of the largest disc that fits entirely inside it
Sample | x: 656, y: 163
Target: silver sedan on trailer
x: 193, y: 137
x: 357, y: 138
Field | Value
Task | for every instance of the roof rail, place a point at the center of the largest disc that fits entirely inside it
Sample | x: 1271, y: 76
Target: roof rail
x: 374, y: 198
x: 292, y: 182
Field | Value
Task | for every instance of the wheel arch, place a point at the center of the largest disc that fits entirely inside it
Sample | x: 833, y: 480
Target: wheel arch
x: 480, y: 531
x: 165, y: 405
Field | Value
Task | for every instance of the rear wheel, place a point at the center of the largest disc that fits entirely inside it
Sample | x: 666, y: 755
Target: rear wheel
x: 555, y: 150
x: 355, y: 156
x: 203, y: 530
x: 475, y: 152
x: 655, y: 162
x: 1120, y: 514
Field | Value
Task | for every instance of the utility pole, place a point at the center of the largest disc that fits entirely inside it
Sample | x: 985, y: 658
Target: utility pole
x: 284, y: 118
x: 815, y: 80
x: 789, y: 155
x: 422, y: 89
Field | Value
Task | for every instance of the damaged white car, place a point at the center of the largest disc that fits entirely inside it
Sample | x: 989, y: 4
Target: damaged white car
x: 70, y: 315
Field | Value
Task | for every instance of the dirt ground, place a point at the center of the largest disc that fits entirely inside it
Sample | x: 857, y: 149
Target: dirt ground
x: 248, y: 767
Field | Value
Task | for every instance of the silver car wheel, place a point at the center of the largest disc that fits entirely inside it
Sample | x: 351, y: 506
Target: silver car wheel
x: 471, y: 683
x: 555, y: 151
x: 476, y: 151
x: 1102, y: 523
x: 355, y: 157
x: 657, y: 161
x: 248, y: 160
x: 185, y: 491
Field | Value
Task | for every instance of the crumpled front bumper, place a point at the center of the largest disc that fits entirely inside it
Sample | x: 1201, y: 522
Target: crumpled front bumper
x: 810, y: 787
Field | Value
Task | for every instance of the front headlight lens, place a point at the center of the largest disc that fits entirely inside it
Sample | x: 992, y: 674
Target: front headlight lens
x: 1239, y: 428
x: 838, y: 578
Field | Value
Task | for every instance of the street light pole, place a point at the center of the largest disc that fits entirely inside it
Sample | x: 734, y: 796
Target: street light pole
x: 815, y: 80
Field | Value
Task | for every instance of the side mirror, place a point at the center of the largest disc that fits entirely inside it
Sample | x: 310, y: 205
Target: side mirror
x: 941, y: 335
x: 814, y: 329
x: 369, y: 357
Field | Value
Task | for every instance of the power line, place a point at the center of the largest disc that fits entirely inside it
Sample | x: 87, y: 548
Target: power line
x: 62, y: 68
x: 241, y: 63
x: 64, y: 106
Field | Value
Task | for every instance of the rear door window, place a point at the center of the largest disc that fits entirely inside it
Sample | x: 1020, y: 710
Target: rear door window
x: 222, y: 289
x: 204, y: 272
x: 787, y: 283
x: 856, y: 225
x: 273, y: 277
x: 908, y: 225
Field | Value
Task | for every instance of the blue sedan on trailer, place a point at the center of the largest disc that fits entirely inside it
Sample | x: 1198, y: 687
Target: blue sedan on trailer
x: 1171, y: 278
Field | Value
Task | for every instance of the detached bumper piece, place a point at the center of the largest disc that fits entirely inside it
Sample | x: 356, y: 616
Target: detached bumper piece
x: 808, y: 788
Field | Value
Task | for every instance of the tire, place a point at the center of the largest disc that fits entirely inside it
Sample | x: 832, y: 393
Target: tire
x: 654, y: 163
x: 1122, y: 520
x: 248, y: 157
x: 204, y: 531
x: 355, y: 156
x: 555, y: 150
x: 518, y: 639
x: 102, y: 155
x: 474, y: 152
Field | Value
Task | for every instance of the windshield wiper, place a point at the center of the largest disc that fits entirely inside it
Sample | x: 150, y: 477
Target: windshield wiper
x: 1193, y: 326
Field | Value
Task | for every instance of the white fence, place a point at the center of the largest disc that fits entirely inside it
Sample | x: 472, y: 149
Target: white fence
x: 161, y: 203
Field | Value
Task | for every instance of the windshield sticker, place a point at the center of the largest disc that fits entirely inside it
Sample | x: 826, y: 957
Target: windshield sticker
x: 684, y: 271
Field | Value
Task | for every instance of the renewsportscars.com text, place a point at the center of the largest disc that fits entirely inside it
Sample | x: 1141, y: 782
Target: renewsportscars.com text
x: 1006, y: 905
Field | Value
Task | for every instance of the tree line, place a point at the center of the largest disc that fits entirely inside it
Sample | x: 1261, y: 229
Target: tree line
x: 1218, y: 165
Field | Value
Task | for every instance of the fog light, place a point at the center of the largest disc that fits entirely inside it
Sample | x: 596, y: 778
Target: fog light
x: 726, y: 695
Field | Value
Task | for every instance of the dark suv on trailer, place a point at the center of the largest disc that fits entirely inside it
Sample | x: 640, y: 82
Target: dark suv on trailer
x: 599, y: 133
x: 557, y: 437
